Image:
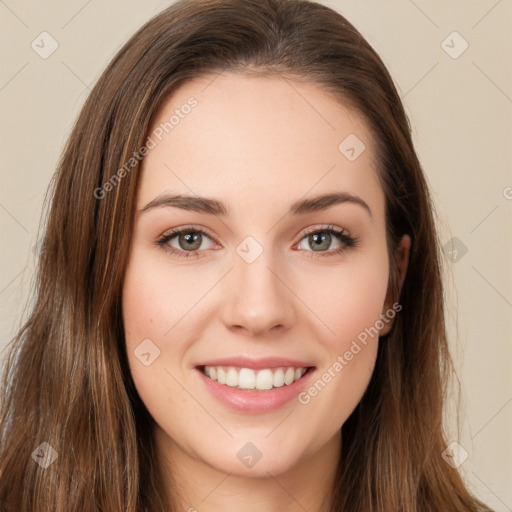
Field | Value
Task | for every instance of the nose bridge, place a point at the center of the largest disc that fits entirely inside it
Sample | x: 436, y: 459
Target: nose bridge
x: 259, y: 299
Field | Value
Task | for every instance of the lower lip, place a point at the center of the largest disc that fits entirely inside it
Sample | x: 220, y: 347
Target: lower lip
x: 255, y: 401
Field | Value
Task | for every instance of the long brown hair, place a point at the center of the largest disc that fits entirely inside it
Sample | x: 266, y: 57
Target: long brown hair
x: 67, y: 381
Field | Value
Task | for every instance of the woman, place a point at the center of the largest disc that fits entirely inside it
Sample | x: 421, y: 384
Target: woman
x: 190, y: 349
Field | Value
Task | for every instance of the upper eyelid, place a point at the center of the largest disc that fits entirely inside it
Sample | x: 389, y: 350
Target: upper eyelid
x: 173, y: 232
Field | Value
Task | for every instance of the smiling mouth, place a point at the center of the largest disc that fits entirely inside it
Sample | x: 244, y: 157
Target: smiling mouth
x: 247, y: 379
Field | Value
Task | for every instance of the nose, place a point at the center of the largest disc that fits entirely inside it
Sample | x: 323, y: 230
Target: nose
x: 258, y: 300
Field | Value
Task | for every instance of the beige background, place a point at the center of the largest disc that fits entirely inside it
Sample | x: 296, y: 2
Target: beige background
x: 460, y: 109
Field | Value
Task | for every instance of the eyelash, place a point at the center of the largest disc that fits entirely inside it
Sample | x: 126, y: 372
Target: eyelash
x: 348, y: 241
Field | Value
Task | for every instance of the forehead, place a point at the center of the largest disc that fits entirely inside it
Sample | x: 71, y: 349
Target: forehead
x: 251, y: 139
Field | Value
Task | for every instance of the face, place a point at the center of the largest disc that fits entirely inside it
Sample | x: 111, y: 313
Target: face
x: 260, y: 278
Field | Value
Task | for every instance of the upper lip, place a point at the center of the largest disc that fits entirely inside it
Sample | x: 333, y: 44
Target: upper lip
x: 256, y: 364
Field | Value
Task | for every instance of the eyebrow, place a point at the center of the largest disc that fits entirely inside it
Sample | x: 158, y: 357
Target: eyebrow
x: 215, y: 207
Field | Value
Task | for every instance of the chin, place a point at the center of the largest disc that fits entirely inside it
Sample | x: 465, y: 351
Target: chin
x: 257, y: 460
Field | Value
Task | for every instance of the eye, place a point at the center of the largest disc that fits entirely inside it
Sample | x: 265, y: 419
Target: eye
x: 189, y: 241
x: 320, y: 240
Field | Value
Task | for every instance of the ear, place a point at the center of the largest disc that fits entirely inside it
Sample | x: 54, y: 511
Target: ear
x: 402, y: 260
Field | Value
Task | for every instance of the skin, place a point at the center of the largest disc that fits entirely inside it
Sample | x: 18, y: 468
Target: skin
x: 257, y: 145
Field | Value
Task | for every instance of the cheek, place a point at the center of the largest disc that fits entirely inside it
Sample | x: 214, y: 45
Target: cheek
x: 150, y: 309
x: 163, y: 313
x: 352, y: 308
x: 349, y: 300
x: 156, y: 299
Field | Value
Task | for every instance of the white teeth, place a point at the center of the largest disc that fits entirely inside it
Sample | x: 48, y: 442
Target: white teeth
x: 232, y: 378
x: 265, y: 379
x: 247, y: 378
x: 221, y: 375
x: 289, y: 376
x: 278, y: 378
